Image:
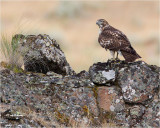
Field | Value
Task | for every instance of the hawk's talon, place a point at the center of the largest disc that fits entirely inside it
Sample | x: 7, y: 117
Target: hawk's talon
x: 113, y: 59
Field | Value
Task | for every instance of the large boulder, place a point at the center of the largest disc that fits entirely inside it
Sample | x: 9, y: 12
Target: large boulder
x: 42, y: 54
x: 138, y: 81
x: 134, y: 93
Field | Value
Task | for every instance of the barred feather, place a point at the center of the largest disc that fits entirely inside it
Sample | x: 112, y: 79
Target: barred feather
x: 113, y: 39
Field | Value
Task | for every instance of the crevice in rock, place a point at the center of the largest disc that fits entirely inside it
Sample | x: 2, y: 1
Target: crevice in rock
x: 41, y: 66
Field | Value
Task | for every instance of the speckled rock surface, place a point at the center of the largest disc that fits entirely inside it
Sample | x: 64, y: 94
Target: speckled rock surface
x: 111, y: 104
x: 151, y: 118
x: 102, y: 74
x: 139, y: 88
x: 31, y: 99
x: 42, y: 54
x: 76, y: 100
x: 50, y: 98
x: 138, y: 82
x: 136, y: 113
x: 24, y: 94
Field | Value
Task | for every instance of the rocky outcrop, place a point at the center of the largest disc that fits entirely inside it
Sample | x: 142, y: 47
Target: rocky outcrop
x: 42, y: 54
x: 116, y: 93
x: 131, y: 94
x: 138, y: 81
x: 127, y: 100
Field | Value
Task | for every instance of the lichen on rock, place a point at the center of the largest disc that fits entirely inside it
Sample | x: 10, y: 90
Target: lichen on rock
x: 138, y: 82
x: 42, y: 54
x: 101, y: 74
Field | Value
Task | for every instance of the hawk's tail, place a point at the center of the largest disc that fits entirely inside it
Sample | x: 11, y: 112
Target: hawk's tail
x: 130, y: 54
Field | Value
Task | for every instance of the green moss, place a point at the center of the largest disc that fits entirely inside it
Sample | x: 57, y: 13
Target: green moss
x: 86, y: 110
x: 4, y: 64
x: 104, y: 116
x: 17, y: 70
x: 92, y: 120
x: 52, y: 45
x: 95, y: 92
x: 14, y: 68
x: 107, y: 116
x: 62, y: 118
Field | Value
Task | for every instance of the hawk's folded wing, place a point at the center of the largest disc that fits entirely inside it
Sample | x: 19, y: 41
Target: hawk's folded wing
x: 113, y: 39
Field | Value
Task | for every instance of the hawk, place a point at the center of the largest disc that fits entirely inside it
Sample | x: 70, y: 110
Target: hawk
x: 114, y: 40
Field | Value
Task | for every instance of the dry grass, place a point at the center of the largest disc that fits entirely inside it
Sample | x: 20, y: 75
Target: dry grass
x: 9, y: 50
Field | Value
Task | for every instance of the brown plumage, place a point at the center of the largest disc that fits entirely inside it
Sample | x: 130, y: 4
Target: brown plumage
x: 114, y: 40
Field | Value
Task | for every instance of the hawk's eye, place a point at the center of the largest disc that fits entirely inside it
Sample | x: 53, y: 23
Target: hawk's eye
x: 101, y: 22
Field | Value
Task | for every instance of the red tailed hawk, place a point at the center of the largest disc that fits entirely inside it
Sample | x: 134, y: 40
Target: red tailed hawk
x: 114, y: 40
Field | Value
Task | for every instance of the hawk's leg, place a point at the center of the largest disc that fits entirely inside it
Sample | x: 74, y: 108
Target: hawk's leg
x: 112, y: 54
x: 117, y: 56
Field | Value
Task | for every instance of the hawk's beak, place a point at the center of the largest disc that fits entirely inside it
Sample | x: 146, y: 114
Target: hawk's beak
x: 97, y: 23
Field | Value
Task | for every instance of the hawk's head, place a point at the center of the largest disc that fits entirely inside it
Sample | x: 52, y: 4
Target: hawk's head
x: 102, y: 23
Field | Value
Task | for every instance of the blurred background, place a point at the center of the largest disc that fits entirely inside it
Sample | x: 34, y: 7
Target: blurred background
x: 73, y: 25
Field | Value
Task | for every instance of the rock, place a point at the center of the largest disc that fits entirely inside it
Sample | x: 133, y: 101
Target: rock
x: 151, y: 118
x: 83, y: 74
x: 138, y: 82
x: 102, y: 74
x: 77, y: 104
x: 11, y: 115
x: 111, y: 103
x: 136, y: 113
x: 42, y: 54
x: 54, y: 74
x: 108, y: 99
x: 72, y: 81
